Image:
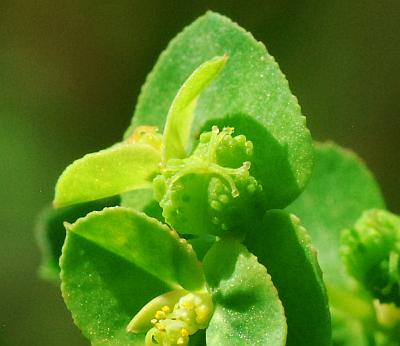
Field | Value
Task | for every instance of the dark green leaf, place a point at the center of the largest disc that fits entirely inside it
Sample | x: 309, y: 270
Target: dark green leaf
x: 50, y: 232
x: 247, y: 307
x: 284, y: 245
x: 120, y: 168
x: 251, y: 95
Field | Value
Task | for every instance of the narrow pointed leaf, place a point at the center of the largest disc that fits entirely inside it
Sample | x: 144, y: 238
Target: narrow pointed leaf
x: 180, y: 116
x: 251, y: 95
x: 120, y: 168
x: 247, y: 307
x: 284, y: 245
x: 144, y: 242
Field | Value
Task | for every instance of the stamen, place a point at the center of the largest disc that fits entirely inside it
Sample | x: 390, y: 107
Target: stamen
x: 160, y: 315
x: 166, y: 308
x: 191, y: 313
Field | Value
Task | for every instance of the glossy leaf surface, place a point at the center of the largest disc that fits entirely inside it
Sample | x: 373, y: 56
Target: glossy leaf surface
x: 251, y: 95
x: 181, y: 113
x: 120, y: 168
x: 144, y: 242
x: 284, y: 245
x: 247, y: 307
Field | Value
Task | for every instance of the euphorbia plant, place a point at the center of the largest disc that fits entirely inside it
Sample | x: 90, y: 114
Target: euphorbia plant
x: 198, y: 248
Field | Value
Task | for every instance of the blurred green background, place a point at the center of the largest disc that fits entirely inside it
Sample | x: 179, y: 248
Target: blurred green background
x: 70, y: 73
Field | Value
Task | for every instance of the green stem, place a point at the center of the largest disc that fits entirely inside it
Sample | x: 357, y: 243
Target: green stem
x: 349, y: 303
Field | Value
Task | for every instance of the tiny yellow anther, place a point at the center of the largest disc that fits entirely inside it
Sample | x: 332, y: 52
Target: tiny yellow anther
x: 180, y: 341
x: 188, y: 305
x: 184, y: 332
x: 160, y: 315
x: 154, y: 321
x: 166, y: 308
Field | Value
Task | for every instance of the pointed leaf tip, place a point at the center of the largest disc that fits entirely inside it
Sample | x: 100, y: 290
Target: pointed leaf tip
x: 67, y: 226
x: 181, y: 113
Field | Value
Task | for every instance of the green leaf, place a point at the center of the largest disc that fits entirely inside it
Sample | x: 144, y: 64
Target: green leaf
x: 247, y: 307
x: 144, y: 242
x: 104, y: 291
x: 180, y: 116
x: 142, y: 200
x: 50, y: 232
x: 202, y: 244
x: 120, y: 168
x: 251, y: 95
x: 340, y: 189
x: 284, y: 245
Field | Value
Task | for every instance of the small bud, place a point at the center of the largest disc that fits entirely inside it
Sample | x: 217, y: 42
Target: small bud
x: 371, y: 253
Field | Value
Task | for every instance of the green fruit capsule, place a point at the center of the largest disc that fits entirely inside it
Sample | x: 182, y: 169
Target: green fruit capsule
x: 371, y: 253
x: 212, y: 190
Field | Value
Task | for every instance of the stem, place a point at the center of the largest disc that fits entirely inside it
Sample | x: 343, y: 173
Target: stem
x: 350, y: 303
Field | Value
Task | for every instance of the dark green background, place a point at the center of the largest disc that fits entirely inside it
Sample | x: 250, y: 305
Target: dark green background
x: 70, y: 73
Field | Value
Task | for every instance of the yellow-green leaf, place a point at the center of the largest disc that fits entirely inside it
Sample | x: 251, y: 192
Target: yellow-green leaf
x: 181, y: 113
x: 120, y: 168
